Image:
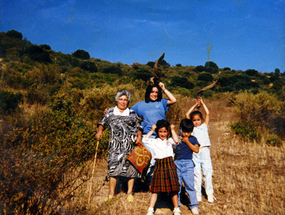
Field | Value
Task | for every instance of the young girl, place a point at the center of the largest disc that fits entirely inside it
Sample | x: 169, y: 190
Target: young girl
x: 203, y: 158
x: 165, y: 177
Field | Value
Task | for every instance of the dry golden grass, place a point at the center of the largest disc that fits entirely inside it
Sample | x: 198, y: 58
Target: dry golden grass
x: 249, y: 178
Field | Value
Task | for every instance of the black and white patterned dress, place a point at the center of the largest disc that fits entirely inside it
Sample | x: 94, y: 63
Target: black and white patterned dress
x: 122, y: 132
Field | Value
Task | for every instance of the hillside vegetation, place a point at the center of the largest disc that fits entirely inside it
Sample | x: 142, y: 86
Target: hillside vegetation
x: 50, y: 103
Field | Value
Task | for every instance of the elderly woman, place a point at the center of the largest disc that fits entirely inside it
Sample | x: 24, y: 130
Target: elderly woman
x: 125, y: 132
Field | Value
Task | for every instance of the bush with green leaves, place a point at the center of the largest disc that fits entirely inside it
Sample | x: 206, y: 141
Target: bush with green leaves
x: 258, y: 112
x: 36, y: 155
x: 81, y: 54
x: 10, y: 101
x: 88, y: 66
x: 181, y: 82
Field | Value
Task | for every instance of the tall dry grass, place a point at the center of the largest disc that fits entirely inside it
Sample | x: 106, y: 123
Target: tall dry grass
x: 249, y: 178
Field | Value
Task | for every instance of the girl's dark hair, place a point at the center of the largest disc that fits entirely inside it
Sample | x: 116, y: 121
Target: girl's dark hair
x: 148, y: 91
x: 186, y: 125
x: 194, y: 113
x: 160, y: 124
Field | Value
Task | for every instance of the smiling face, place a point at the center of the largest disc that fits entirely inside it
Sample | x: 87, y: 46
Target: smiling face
x: 122, y: 103
x: 162, y: 133
x: 153, y: 94
x: 196, y: 119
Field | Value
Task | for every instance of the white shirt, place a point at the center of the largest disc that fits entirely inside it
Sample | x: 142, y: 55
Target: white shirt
x: 118, y: 113
x: 161, y: 148
x: 202, y: 135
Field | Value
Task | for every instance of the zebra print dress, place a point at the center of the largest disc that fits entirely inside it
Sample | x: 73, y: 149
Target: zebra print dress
x: 122, y: 132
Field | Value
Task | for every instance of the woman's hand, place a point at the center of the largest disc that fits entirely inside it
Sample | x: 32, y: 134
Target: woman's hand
x: 138, y: 141
x: 98, y: 135
x: 162, y: 86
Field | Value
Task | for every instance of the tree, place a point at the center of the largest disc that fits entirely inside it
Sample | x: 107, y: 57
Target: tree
x: 277, y: 72
x: 89, y: 66
x: 36, y: 53
x: 211, y: 67
x: 181, y: 82
x: 15, y: 34
x: 205, y: 77
x: 81, y: 54
x: 44, y: 46
x: 251, y: 72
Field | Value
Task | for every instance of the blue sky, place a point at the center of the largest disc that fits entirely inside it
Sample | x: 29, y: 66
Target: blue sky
x: 238, y: 34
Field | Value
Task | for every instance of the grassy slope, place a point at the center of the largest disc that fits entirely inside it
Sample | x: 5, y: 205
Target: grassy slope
x: 248, y: 178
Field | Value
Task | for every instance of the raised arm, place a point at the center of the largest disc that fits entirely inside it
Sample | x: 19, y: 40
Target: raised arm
x: 172, y: 99
x: 150, y: 132
x: 174, y: 134
x: 187, y: 115
x: 207, y: 117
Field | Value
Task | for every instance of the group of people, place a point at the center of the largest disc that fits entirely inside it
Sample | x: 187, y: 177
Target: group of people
x: 167, y: 170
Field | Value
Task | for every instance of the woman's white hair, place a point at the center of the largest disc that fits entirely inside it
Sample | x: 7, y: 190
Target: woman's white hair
x: 123, y: 93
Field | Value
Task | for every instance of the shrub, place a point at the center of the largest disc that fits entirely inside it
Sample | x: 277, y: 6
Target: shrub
x: 182, y: 82
x: 14, y: 34
x: 36, y: 53
x: 10, y: 101
x: 143, y: 74
x: 89, y: 66
x: 81, y: 54
x: 258, y: 112
x: 205, y: 77
x: 251, y: 72
x: 246, y: 130
x: 113, y: 70
x: 274, y: 140
x: 37, y: 155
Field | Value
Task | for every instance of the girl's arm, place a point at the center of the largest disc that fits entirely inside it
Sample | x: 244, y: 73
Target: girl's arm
x: 207, y: 118
x: 172, y: 99
x: 153, y: 127
x: 187, y: 115
x: 174, y: 134
x: 194, y: 148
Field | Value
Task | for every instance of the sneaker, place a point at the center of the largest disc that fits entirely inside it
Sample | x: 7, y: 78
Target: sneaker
x: 150, y: 211
x: 108, y: 198
x: 195, y: 211
x: 130, y: 198
x: 176, y: 211
x: 199, y: 198
x: 211, y: 198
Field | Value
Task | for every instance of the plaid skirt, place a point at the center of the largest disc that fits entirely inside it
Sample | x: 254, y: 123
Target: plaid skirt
x: 164, y: 177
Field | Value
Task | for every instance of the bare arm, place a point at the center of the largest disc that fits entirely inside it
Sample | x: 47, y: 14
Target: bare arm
x: 194, y: 148
x: 187, y: 115
x: 174, y: 134
x: 150, y: 132
x: 172, y: 99
x: 207, y: 118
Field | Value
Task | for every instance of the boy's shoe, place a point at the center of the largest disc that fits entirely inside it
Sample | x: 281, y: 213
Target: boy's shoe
x: 130, y: 198
x: 211, y: 198
x: 199, y: 198
x: 195, y: 211
x: 150, y: 211
x: 108, y: 198
x: 176, y: 211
